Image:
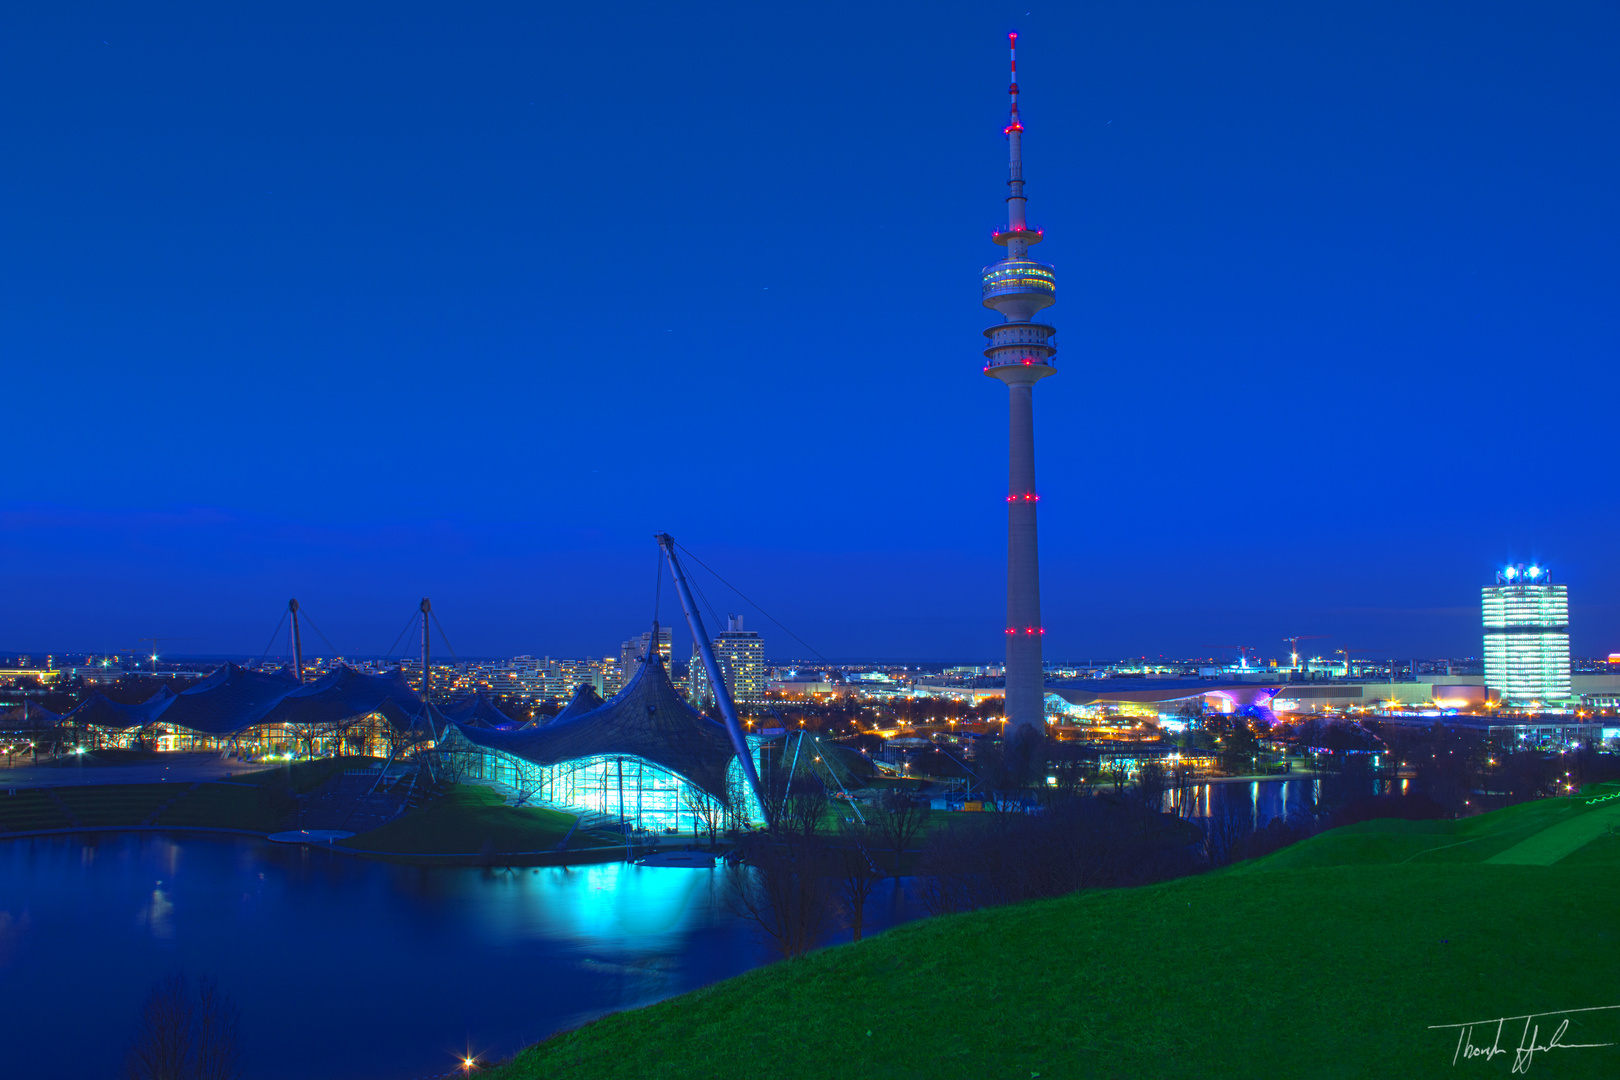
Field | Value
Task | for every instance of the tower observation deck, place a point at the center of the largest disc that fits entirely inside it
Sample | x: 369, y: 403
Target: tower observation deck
x: 1019, y: 352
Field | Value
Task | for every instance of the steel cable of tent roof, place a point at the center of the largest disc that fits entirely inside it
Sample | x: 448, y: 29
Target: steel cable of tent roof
x: 411, y: 622
x: 697, y: 589
x: 440, y: 626
x: 658, y: 585
x: 755, y: 606
x: 273, y: 635
x: 333, y: 649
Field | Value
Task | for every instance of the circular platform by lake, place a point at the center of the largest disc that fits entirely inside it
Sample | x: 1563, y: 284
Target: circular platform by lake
x: 309, y: 836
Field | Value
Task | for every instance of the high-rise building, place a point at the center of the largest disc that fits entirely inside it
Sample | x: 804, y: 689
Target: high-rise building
x: 741, y: 656
x: 1527, y: 636
x: 1019, y: 353
x: 631, y: 652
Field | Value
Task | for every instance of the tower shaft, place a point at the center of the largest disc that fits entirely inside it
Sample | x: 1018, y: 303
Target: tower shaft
x: 1026, y: 689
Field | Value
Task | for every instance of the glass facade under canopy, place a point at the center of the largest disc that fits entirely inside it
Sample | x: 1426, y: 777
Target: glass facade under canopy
x: 648, y: 797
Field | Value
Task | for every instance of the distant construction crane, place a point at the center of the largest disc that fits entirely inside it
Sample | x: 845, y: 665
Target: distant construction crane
x: 1243, y: 652
x: 1293, y: 646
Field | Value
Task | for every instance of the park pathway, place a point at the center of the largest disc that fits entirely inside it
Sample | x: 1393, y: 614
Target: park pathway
x: 1554, y: 842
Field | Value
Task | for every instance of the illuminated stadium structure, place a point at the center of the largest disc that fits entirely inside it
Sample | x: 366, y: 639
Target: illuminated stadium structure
x: 645, y: 757
x: 1527, y: 636
x: 238, y: 710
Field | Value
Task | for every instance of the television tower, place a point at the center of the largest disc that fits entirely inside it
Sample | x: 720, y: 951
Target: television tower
x: 1019, y: 353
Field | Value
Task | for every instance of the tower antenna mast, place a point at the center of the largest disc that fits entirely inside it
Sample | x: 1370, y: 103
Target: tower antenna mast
x: 1015, y: 145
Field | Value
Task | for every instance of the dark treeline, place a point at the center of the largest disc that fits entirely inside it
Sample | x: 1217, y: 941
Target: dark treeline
x: 1053, y: 823
x: 1458, y: 770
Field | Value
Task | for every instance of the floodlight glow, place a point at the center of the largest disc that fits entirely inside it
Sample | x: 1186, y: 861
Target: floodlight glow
x: 1535, y: 571
x: 1509, y: 572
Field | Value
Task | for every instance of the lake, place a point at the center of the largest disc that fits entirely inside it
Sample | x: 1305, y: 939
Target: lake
x: 343, y: 967
x: 359, y: 970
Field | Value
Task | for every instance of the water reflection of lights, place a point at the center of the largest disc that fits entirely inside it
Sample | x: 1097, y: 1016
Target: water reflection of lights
x: 1266, y: 799
x: 157, y: 914
x: 615, y: 905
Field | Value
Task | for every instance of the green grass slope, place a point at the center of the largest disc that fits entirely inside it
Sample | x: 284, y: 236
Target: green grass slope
x: 470, y: 819
x: 28, y: 810
x: 304, y: 776
x: 260, y: 808
x: 116, y: 804
x: 1329, y: 959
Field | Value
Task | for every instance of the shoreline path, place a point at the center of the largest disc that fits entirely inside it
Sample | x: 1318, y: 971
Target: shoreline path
x: 172, y: 767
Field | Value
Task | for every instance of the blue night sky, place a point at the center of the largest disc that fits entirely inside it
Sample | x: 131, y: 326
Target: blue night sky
x: 365, y: 302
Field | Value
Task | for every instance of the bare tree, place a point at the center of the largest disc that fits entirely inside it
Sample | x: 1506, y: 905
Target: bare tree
x: 1184, y: 789
x: 1150, y: 785
x: 737, y: 803
x: 1225, y: 829
x: 1072, y: 774
x: 804, y: 811
x: 184, y: 1039
x: 898, y: 819
x: 785, y: 891
x: 1076, y: 843
x: 1118, y: 774
x: 163, y: 1048
x: 218, y: 1034
x: 708, y: 812
x: 773, y: 788
x: 856, y: 874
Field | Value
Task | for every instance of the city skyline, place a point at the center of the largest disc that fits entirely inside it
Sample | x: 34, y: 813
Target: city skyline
x: 1310, y: 261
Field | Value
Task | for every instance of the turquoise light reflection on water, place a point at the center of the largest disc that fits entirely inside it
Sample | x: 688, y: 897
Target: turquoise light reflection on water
x: 344, y: 968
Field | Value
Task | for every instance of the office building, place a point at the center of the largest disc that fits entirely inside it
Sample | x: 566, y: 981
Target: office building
x: 1527, y: 637
x: 740, y: 655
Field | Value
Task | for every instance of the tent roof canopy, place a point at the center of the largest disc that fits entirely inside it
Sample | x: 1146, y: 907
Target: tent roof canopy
x: 233, y: 698
x: 29, y: 716
x: 647, y: 719
x: 476, y: 710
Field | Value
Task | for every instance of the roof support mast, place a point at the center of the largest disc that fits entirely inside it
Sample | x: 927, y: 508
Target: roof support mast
x: 297, y: 643
x: 427, y: 671
x: 722, y: 695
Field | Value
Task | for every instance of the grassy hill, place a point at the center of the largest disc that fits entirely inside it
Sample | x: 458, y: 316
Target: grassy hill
x: 1327, y: 959
x: 471, y: 819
